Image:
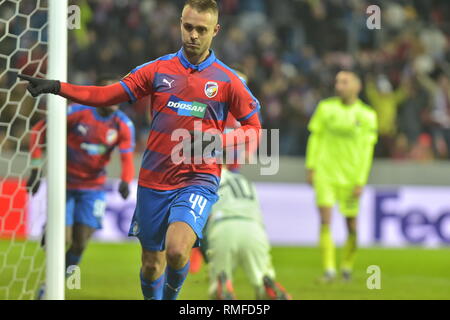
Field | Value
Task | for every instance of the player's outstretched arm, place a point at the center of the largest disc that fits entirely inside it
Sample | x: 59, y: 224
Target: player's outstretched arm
x: 88, y: 95
x: 37, y: 86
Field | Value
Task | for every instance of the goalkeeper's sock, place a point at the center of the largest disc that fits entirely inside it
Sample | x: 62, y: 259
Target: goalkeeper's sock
x: 349, y: 252
x: 327, y: 249
x: 174, y: 281
x: 152, y: 290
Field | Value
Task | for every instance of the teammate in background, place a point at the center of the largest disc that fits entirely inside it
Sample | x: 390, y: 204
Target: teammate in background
x: 236, y: 237
x: 339, y: 156
x: 188, y: 87
x: 92, y: 135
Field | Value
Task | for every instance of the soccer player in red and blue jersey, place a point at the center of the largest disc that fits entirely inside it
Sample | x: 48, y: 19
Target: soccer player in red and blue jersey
x: 174, y: 198
x: 92, y: 135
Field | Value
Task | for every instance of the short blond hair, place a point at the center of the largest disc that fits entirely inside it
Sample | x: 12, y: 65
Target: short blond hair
x: 203, y: 5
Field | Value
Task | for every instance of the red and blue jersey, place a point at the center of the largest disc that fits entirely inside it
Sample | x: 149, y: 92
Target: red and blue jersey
x: 182, y: 93
x: 91, y: 138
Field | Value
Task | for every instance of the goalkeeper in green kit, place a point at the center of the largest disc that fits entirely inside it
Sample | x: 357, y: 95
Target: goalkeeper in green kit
x: 235, y: 236
x: 338, y: 160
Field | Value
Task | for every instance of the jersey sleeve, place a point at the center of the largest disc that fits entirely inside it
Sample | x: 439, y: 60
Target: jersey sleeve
x: 126, y: 147
x: 243, y: 105
x: 94, y: 96
x: 368, y: 139
x: 139, y: 82
x: 315, y: 127
x: 127, y: 136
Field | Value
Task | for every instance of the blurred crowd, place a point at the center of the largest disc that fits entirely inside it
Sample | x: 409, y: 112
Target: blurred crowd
x: 291, y: 50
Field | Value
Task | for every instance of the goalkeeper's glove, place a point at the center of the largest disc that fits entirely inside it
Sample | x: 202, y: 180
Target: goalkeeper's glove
x: 34, y: 181
x: 37, y: 86
x: 124, y: 189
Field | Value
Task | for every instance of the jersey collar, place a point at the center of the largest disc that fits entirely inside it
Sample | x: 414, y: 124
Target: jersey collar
x: 199, y: 67
x: 357, y: 102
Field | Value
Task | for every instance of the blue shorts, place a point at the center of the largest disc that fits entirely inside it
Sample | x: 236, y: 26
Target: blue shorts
x: 157, y: 209
x: 86, y: 207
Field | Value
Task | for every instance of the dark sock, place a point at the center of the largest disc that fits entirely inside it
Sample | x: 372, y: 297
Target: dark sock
x: 72, y: 259
x: 174, y: 281
x: 152, y: 290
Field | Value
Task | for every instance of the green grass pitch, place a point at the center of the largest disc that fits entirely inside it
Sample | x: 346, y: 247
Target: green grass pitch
x: 110, y: 271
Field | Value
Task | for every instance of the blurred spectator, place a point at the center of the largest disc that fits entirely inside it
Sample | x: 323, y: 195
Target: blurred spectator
x: 440, y: 111
x: 411, y: 121
x: 289, y: 49
x: 385, y: 100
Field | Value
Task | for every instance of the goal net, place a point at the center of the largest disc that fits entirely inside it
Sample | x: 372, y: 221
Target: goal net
x: 24, y: 48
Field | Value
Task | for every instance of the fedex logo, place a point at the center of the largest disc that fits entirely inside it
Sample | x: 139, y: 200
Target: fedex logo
x: 417, y: 223
x: 187, y: 108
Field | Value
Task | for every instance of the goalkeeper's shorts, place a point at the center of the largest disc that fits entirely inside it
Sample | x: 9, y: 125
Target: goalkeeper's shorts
x: 328, y: 194
x: 239, y: 242
x: 157, y: 209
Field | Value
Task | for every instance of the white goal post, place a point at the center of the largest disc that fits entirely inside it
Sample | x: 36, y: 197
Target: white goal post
x: 33, y: 41
x: 56, y: 148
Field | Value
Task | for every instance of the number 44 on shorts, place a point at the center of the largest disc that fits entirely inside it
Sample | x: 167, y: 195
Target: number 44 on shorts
x: 199, y: 200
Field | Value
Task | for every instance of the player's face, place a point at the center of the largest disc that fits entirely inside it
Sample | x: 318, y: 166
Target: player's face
x: 347, y: 85
x: 197, y: 30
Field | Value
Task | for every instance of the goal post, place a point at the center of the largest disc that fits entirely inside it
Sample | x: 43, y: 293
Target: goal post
x: 33, y: 41
x: 56, y: 148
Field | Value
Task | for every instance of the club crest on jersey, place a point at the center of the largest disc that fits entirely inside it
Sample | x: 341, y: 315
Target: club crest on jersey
x: 111, y: 136
x: 187, y: 108
x: 211, y: 89
x: 82, y: 129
